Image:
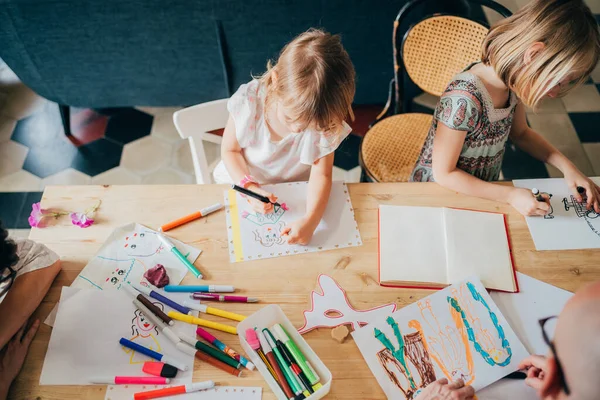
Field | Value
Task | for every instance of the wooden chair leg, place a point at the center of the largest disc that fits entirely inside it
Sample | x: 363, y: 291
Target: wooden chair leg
x: 65, y: 116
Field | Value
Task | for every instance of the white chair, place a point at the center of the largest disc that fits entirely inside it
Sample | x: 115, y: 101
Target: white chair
x: 194, y: 124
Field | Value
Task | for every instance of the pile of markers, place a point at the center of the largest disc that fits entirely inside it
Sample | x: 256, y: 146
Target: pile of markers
x: 220, y: 356
x: 285, y: 362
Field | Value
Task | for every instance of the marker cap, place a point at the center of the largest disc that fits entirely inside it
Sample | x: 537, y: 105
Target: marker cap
x: 266, y: 347
x: 184, y: 348
x: 210, y: 209
x: 177, y: 364
x: 188, y: 339
x: 158, y: 368
x: 194, y: 387
x: 168, y: 244
x: 195, y: 306
x: 170, y: 334
x: 142, y: 289
x: 280, y: 333
x: 252, y: 339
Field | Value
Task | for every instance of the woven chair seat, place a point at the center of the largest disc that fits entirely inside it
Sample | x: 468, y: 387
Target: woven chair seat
x: 390, y: 149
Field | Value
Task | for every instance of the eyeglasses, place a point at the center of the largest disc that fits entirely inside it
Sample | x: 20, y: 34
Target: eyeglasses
x: 10, y: 278
x: 550, y: 343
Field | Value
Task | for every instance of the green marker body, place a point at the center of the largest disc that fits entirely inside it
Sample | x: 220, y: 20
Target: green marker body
x: 217, y: 354
x: 297, y: 354
x: 284, y: 367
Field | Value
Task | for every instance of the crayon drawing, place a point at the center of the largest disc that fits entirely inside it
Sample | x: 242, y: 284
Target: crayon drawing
x: 254, y: 236
x: 569, y: 225
x: 456, y: 333
x: 124, y: 258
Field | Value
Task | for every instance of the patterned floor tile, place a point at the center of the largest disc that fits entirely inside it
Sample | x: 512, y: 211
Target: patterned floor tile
x: 146, y: 155
x: 584, y: 98
x: 21, y: 181
x: 87, y: 125
x: 182, y: 158
x: 577, y: 155
x: 41, y: 129
x: 587, y: 126
x: 556, y: 128
x: 97, y: 157
x: 68, y: 177
x: 346, y: 155
x: 117, y: 176
x: 127, y: 126
x: 517, y: 164
x: 167, y: 176
x: 593, y: 153
x: 7, y: 126
x: 51, y: 159
x: 164, y: 128
x: 549, y: 106
x: 12, y: 157
x: 22, y: 102
x: 11, y: 205
x: 22, y: 218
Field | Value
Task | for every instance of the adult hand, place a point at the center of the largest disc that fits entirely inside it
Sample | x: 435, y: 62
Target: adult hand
x: 299, y: 232
x: 257, y: 205
x: 526, y: 203
x: 442, y: 390
x: 535, y: 366
x: 13, y: 354
x: 575, y: 179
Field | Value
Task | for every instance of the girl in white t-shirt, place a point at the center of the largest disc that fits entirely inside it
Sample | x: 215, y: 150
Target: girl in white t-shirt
x: 286, y: 125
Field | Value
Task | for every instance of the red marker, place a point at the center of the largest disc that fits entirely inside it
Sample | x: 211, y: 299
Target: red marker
x: 220, y: 297
x: 131, y: 380
x: 192, y: 387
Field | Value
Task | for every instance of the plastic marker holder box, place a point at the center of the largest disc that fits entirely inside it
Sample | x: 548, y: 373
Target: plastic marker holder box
x: 266, y: 317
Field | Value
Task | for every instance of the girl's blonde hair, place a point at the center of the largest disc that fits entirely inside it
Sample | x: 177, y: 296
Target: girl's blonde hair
x: 313, y: 79
x: 569, y: 32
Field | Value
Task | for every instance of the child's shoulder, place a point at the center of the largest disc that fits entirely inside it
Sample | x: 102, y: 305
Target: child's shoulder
x: 465, y: 83
x: 248, y: 90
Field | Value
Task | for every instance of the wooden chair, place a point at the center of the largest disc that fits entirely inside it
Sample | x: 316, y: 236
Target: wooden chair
x: 430, y: 53
x: 201, y: 122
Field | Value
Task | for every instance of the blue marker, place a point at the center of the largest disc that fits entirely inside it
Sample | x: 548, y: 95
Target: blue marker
x: 200, y: 288
x: 170, y: 246
x: 153, y: 354
x: 165, y: 300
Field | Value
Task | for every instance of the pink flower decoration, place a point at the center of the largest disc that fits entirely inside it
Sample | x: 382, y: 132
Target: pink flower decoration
x: 36, y: 215
x: 81, y: 220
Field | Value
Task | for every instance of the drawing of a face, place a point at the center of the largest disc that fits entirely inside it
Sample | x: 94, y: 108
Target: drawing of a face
x: 141, y: 325
x: 270, y: 234
x: 142, y: 244
x: 116, y: 277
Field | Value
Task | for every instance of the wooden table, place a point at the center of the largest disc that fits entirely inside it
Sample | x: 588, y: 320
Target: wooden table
x: 284, y: 281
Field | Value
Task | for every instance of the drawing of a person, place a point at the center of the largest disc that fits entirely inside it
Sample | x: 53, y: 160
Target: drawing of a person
x: 143, y: 332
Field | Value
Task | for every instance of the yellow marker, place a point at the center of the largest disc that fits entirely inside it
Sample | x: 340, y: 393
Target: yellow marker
x: 214, y: 311
x: 202, y: 322
x: 317, y: 386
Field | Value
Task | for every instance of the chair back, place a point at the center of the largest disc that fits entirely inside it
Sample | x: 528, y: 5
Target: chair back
x: 436, y: 48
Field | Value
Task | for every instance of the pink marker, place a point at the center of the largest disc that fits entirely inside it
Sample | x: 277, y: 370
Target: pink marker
x: 220, y: 297
x: 131, y: 380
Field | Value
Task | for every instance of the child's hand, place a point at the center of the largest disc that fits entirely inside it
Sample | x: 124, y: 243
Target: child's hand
x: 257, y: 205
x: 526, y: 203
x: 299, y: 232
x: 575, y: 179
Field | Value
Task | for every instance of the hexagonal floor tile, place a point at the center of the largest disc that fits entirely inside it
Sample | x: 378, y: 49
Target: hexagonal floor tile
x: 128, y: 126
x: 68, y: 177
x: 55, y: 157
x: 21, y: 181
x: 164, y: 128
x: 41, y: 129
x: 146, y: 155
x: 182, y: 158
x: 117, y: 176
x: 7, y: 126
x: 22, y: 102
x: 167, y: 176
x: 97, y: 157
x: 12, y: 157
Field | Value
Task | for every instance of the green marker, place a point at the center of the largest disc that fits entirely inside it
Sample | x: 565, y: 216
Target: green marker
x: 284, y: 367
x: 171, y: 247
x: 210, y: 351
x: 296, y: 353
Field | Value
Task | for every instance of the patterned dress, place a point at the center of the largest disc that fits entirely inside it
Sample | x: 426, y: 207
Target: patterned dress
x: 467, y: 106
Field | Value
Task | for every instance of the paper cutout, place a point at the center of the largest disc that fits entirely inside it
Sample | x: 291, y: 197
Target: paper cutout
x: 571, y: 226
x: 216, y: 393
x: 331, y: 308
x: 254, y: 236
x: 125, y: 256
x: 85, y: 339
x: 457, y: 332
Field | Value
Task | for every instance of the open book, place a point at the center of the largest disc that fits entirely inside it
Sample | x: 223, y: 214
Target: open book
x: 435, y: 247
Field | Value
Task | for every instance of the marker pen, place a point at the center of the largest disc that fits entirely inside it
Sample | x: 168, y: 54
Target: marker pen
x: 213, y: 311
x: 161, y: 298
x: 171, y: 247
x: 296, y: 353
x: 284, y: 366
x: 164, y: 329
x: 189, y: 388
x: 153, y: 354
x: 191, y: 217
x: 130, y: 380
x: 155, y: 310
x: 200, y: 288
x: 224, y: 348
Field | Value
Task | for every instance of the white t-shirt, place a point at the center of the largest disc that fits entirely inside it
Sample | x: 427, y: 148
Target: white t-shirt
x: 288, y: 160
x: 32, y: 256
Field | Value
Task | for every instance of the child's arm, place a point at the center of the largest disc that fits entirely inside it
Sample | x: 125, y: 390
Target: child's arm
x: 447, y: 146
x: 231, y: 154
x: 319, y: 188
x: 533, y: 143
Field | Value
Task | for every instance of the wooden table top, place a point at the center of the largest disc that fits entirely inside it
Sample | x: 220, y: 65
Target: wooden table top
x: 284, y: 281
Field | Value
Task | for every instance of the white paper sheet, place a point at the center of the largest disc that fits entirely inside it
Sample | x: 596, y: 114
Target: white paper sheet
x: 536, y: 300
x: 434, y: 332
x: 217, y: 393
x: 124, y: 257
x: 569, y: 225
x: 255, y: 236
x: 85, y: 338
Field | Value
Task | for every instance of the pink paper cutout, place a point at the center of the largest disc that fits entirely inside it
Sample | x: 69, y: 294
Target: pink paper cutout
x: 333, y: 299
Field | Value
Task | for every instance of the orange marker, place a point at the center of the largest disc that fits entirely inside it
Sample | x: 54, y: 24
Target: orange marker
x: 189, y: 218
x: 192, y: 387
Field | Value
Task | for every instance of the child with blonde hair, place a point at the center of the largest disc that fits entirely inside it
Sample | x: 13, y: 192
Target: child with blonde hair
x: 545, y: 49
x: 285, y: 126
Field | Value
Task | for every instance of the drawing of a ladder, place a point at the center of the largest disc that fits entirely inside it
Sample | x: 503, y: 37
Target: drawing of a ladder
x: 579, y: 208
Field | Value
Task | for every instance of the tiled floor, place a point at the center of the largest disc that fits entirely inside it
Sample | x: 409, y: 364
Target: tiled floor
x: 142, y: 146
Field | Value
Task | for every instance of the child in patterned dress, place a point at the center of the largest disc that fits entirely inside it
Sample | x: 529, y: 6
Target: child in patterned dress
x: 286, y: 125
x: 546, y: 49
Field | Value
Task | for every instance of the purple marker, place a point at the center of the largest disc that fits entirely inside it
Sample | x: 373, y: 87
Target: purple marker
x: 161, y: 298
